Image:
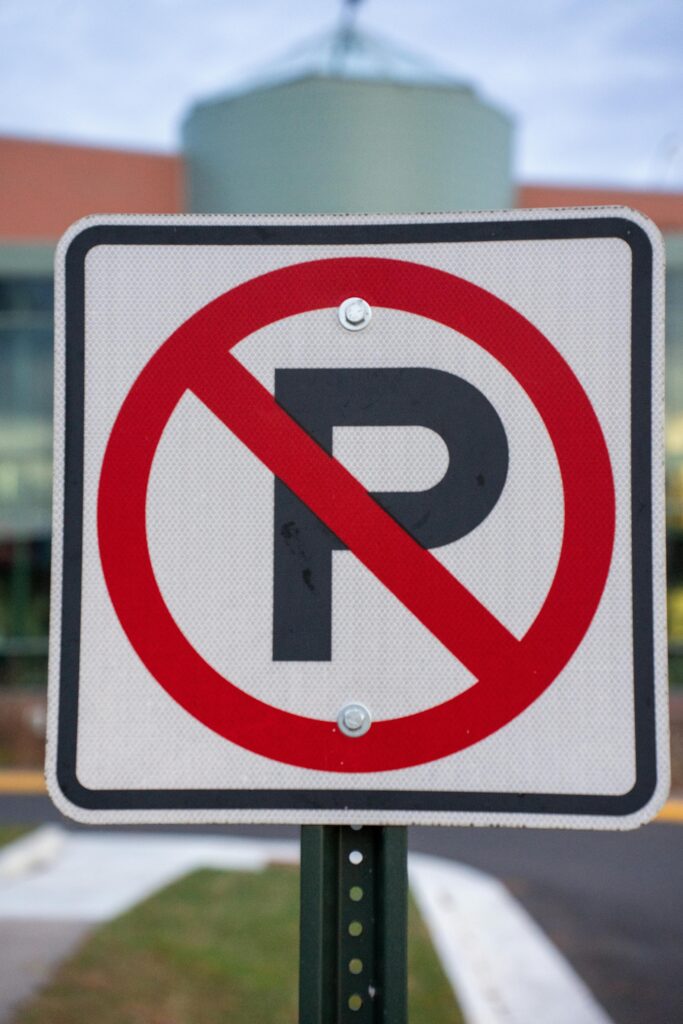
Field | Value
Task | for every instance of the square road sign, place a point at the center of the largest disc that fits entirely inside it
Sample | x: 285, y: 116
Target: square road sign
x: 360, y: 519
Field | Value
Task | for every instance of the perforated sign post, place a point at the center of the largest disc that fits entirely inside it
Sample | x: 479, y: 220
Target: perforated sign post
x: 360, y: 521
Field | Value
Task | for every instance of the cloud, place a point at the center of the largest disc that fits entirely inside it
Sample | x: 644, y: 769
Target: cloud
x: 595, y: 87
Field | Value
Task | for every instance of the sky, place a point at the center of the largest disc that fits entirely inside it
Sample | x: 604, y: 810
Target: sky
x: 595, y: 87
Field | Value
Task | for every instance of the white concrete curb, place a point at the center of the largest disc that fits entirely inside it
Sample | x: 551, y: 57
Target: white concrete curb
x: 32, y: 852
x: 98, y: 875
x: 500, y: 963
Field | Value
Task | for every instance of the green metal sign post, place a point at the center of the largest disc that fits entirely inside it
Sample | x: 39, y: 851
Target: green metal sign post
x: 354, y: 891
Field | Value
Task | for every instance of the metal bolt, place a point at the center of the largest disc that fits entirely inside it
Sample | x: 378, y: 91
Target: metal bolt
x: 354, y: 314
x: 354, y: 720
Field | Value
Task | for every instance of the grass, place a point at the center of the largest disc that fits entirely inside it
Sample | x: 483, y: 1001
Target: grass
x: 676, y: 670
x: 430, y: 997
x: 216, y: 947
x: 8, y: 833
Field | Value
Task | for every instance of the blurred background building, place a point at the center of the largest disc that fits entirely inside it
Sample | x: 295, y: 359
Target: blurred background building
x: 346, y: 123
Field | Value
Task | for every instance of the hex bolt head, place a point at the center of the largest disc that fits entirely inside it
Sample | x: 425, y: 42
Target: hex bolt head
x: 354, y: 720
x: 354, y: 314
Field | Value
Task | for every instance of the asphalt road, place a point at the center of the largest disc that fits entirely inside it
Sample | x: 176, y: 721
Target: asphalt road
x: 612, y: 902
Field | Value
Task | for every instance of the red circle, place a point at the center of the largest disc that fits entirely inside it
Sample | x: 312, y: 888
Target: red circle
x: 514, y: 678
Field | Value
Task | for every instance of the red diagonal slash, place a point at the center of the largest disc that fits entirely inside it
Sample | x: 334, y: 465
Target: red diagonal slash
x: 462, y: 624
x: 511, y: 673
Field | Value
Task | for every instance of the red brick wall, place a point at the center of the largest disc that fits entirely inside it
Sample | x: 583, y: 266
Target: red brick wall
x: 664, y: 208
x: 45, y: 186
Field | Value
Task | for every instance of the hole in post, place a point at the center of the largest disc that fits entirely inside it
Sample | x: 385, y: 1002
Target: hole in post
x: 355, y: 1002
x: 356, y: 857
x: 356, y: 893
x: 355, y: 928
x: 355, y: 965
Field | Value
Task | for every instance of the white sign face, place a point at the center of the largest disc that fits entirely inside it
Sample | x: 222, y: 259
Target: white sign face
x: 360, y: 520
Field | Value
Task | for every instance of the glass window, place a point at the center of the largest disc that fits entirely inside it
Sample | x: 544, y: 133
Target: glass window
x: 674, y: 468
x: 19, y: 294
x: 26, y: 362
x: 26, y: 371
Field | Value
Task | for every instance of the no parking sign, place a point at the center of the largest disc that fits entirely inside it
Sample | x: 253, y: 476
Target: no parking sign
x: 360, y: 521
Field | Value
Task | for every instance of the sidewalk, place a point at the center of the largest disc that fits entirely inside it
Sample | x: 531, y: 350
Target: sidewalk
x: 56, y: 885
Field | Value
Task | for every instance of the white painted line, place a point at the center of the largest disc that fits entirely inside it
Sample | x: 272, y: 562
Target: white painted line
x: 499, y: 962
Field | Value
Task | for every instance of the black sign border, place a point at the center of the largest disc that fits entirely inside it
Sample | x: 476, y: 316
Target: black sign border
x: 340, y: 800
